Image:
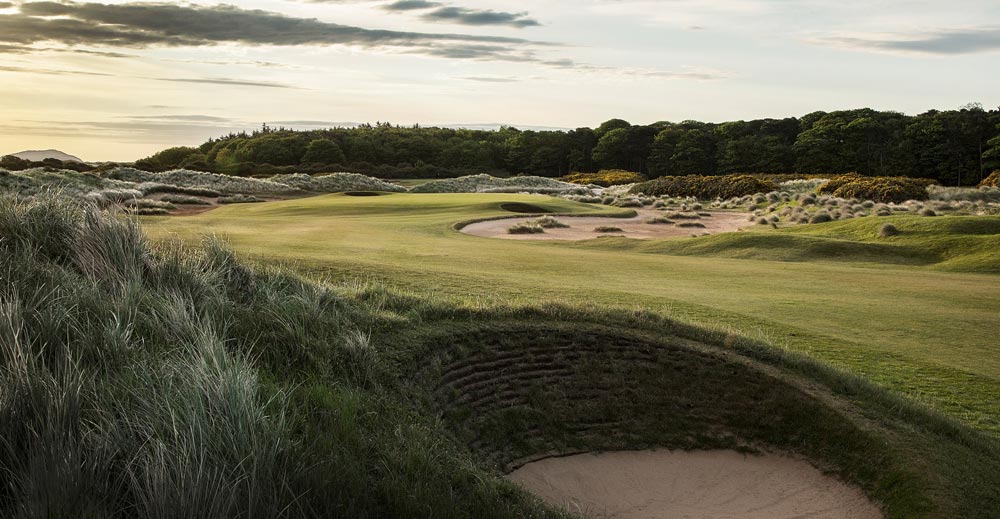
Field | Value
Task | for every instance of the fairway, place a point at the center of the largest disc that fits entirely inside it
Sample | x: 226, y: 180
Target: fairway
x: 929, y: 334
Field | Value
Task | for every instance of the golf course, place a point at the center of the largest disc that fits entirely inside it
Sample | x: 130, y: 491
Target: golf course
x: 895, y: 311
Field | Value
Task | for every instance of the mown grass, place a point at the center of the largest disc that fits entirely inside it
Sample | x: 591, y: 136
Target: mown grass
x: 142, y: 380
x: 926, y: 333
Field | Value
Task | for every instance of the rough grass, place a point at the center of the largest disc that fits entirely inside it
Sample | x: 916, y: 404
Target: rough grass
x: 487, y: 183
x: 525, y: 228
x: 607, y: 229
x: 550, y: 222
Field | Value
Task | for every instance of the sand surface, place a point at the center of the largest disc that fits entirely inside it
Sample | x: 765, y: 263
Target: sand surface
x: 582, y: 227
x: 693, y: 485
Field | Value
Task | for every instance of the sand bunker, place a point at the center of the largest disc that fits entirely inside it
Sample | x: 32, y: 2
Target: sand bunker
x: 693, y: 485
x: 582, y: 227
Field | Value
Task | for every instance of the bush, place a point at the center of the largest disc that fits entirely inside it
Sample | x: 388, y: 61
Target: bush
x: 888, y: 230
x: 878, y: 189
x: 684, y: 216
x: 991, y: 181
x: 548, y: 222
x: 240, y: 199
x: 184, y: 200
x: 608, y: 228
x: 605, y: 178
x: 660, y: 220
x: 525, y: 228
x: 691, y: 224
x: 821, y: 217
x: 705, y: 188
x: 927, y: 212
x: 488, y: 184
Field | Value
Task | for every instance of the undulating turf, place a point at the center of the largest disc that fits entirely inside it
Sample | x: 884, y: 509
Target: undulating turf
x: 903, y: 323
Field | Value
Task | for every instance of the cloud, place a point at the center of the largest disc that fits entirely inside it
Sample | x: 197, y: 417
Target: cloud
x: 476, y: 17
x: 463, y: 15
x: 489, y: 79
x: 140, y: 25
x: 188, y: 118
x: 227, y: 81
x: 249, y: 63
x: 410, y: 5
x: 143, y: 25
x: 25, y: 49
x: 947, y: 42
x: 213, y: 81
x: 51, y: 72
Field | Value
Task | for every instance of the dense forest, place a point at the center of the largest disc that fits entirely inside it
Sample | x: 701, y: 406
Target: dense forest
x: 954, y: 147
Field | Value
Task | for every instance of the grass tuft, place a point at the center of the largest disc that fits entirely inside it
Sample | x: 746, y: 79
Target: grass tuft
x: 525, y: 228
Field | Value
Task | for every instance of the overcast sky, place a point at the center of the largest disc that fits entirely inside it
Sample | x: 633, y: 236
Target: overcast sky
x: 119, y: 80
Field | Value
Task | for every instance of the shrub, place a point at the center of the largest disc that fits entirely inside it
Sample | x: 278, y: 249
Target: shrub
x: 927, y: 211
x: 629, y: 202
x: 605, y: 178
x: 888, y: 230
x: 821, y: 217
x: 525, y: 228
x: 832, y: 185
x: 488, y: 184
x: 878, y: 189
x: 607, y: 228
x: 991, y: 181
x: 336, y: 183
x: 240, y: 199
x: 660, y: 220
x: 184, y: 200
x: 548, y: 222
x: 705, y: 188
x: 691, y: 224
x: 149, y: 188
x: 684, y: 216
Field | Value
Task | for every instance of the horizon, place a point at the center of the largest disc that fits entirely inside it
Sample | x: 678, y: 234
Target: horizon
x: 118, y: 81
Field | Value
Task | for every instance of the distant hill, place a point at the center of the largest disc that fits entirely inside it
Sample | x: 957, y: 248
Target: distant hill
x: 40, y: 155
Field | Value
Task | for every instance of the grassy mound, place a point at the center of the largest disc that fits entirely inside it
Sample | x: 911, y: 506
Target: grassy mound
x: 961, y: 243
x: 705, y: 188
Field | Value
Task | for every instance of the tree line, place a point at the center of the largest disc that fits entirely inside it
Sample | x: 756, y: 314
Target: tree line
x: 954, y: 147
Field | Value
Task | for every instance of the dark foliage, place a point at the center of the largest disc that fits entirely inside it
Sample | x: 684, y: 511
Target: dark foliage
x: 954, y: 147
x: 705, y: 188
x: 878, y: 189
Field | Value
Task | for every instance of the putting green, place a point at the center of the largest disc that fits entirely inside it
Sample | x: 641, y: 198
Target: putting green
x: 926, y: 333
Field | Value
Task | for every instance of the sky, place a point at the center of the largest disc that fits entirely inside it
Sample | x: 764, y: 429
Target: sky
x: 120, y: 80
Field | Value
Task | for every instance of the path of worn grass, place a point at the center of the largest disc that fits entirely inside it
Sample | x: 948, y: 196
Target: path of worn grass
x: 930, y: 334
